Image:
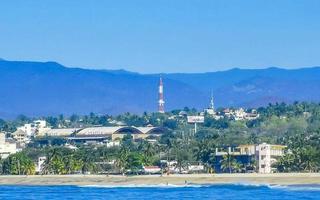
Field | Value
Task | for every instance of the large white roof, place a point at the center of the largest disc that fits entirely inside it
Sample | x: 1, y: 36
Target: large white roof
x: 147, y: 130
x: 60, y: 132
x: 107, y: 130
x: 101, y: 131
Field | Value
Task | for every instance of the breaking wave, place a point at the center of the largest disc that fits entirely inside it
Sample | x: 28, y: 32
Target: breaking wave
x: 148, y: 186
x: 294, y: 187
x: 306, y: 187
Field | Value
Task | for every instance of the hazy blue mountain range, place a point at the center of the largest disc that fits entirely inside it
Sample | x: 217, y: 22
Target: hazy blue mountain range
x: 48, y: 88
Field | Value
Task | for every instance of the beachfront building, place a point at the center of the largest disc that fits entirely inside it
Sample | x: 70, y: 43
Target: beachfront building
x: 7, y: 146
x: 259, y: 158
x: 244, y: 154
x: 267, y: 155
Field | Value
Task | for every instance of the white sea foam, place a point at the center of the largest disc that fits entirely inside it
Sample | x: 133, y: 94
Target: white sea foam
x: 146, y: 186
x: 250, y: 184
x: 304, y: 187
x: 245, y: 184
x: 297, y: 187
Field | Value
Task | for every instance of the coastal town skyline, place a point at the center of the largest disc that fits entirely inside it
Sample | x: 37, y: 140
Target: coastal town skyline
x: 164, y: 99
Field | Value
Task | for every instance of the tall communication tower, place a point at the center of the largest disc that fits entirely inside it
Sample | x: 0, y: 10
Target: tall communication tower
x: 161, y: 99
x: 211, y: 106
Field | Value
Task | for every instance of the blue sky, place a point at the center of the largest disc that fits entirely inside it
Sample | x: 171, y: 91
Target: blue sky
x: 162, y: 35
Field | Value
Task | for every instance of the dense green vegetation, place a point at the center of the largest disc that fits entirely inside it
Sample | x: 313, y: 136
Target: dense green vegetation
x: 296, y: 125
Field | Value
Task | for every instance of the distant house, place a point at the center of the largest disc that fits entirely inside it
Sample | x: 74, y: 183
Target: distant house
x: 34, y: 128
x: 240, y: 114
x: 21, y: 137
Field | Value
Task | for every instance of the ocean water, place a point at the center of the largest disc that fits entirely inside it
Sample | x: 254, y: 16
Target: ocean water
x: 223, y: 192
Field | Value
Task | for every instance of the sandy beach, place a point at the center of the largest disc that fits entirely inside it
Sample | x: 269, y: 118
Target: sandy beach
x: 81, y: 180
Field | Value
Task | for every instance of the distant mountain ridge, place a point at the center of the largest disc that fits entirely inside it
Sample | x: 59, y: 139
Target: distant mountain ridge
x: 49, y: 88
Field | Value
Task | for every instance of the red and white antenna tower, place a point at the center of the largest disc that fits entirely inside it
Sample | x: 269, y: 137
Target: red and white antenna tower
x: 161, y: 99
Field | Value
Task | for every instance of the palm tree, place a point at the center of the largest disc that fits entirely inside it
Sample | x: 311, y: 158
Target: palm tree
x: 238, y: 167
x: 49, y: 164
x: 228, y: 163
x: 122, y: 159
x: 18, y: 164
x: 134, y: 162
x: 309, y: 159
x: 182, y: 156
x: 204, y: 152
x: 148, y: 153
x: 87, y: 157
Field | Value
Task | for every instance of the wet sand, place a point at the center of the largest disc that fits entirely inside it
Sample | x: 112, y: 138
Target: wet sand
x: 114, y: 180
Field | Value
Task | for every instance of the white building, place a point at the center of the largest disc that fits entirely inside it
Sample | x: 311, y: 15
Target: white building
x: 21, y: 137
x: 27, y: 128
x: 40, y: 123
x: 36, y: 127
x: 6, y: 147
x: 239, y: 114
x: 267, y: 155
x: 113, y: 144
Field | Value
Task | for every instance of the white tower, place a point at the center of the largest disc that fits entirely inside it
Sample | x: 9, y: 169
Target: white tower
x: 210, y: 110
x: 161, y: 99
x: 211, y: 102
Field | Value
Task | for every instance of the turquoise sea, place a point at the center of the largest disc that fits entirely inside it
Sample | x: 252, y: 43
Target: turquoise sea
x: 223, y: 192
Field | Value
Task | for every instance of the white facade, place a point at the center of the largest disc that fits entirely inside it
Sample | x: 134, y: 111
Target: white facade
x: 113, y: 144
x: 40, y: 123
x: 240, y: 114
x: 27, y: 128
x: 36, y: 127
x: 267, y: 155
x: 21, y: 137
x: 6, y: 148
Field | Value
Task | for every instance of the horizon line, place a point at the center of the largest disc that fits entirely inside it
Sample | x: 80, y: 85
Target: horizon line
x: 159, y: 73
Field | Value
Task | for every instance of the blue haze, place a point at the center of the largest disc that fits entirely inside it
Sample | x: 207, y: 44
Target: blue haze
x: 42, y: 89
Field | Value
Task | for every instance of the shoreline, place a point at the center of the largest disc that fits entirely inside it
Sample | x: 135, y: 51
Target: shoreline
x: 174, y: 179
